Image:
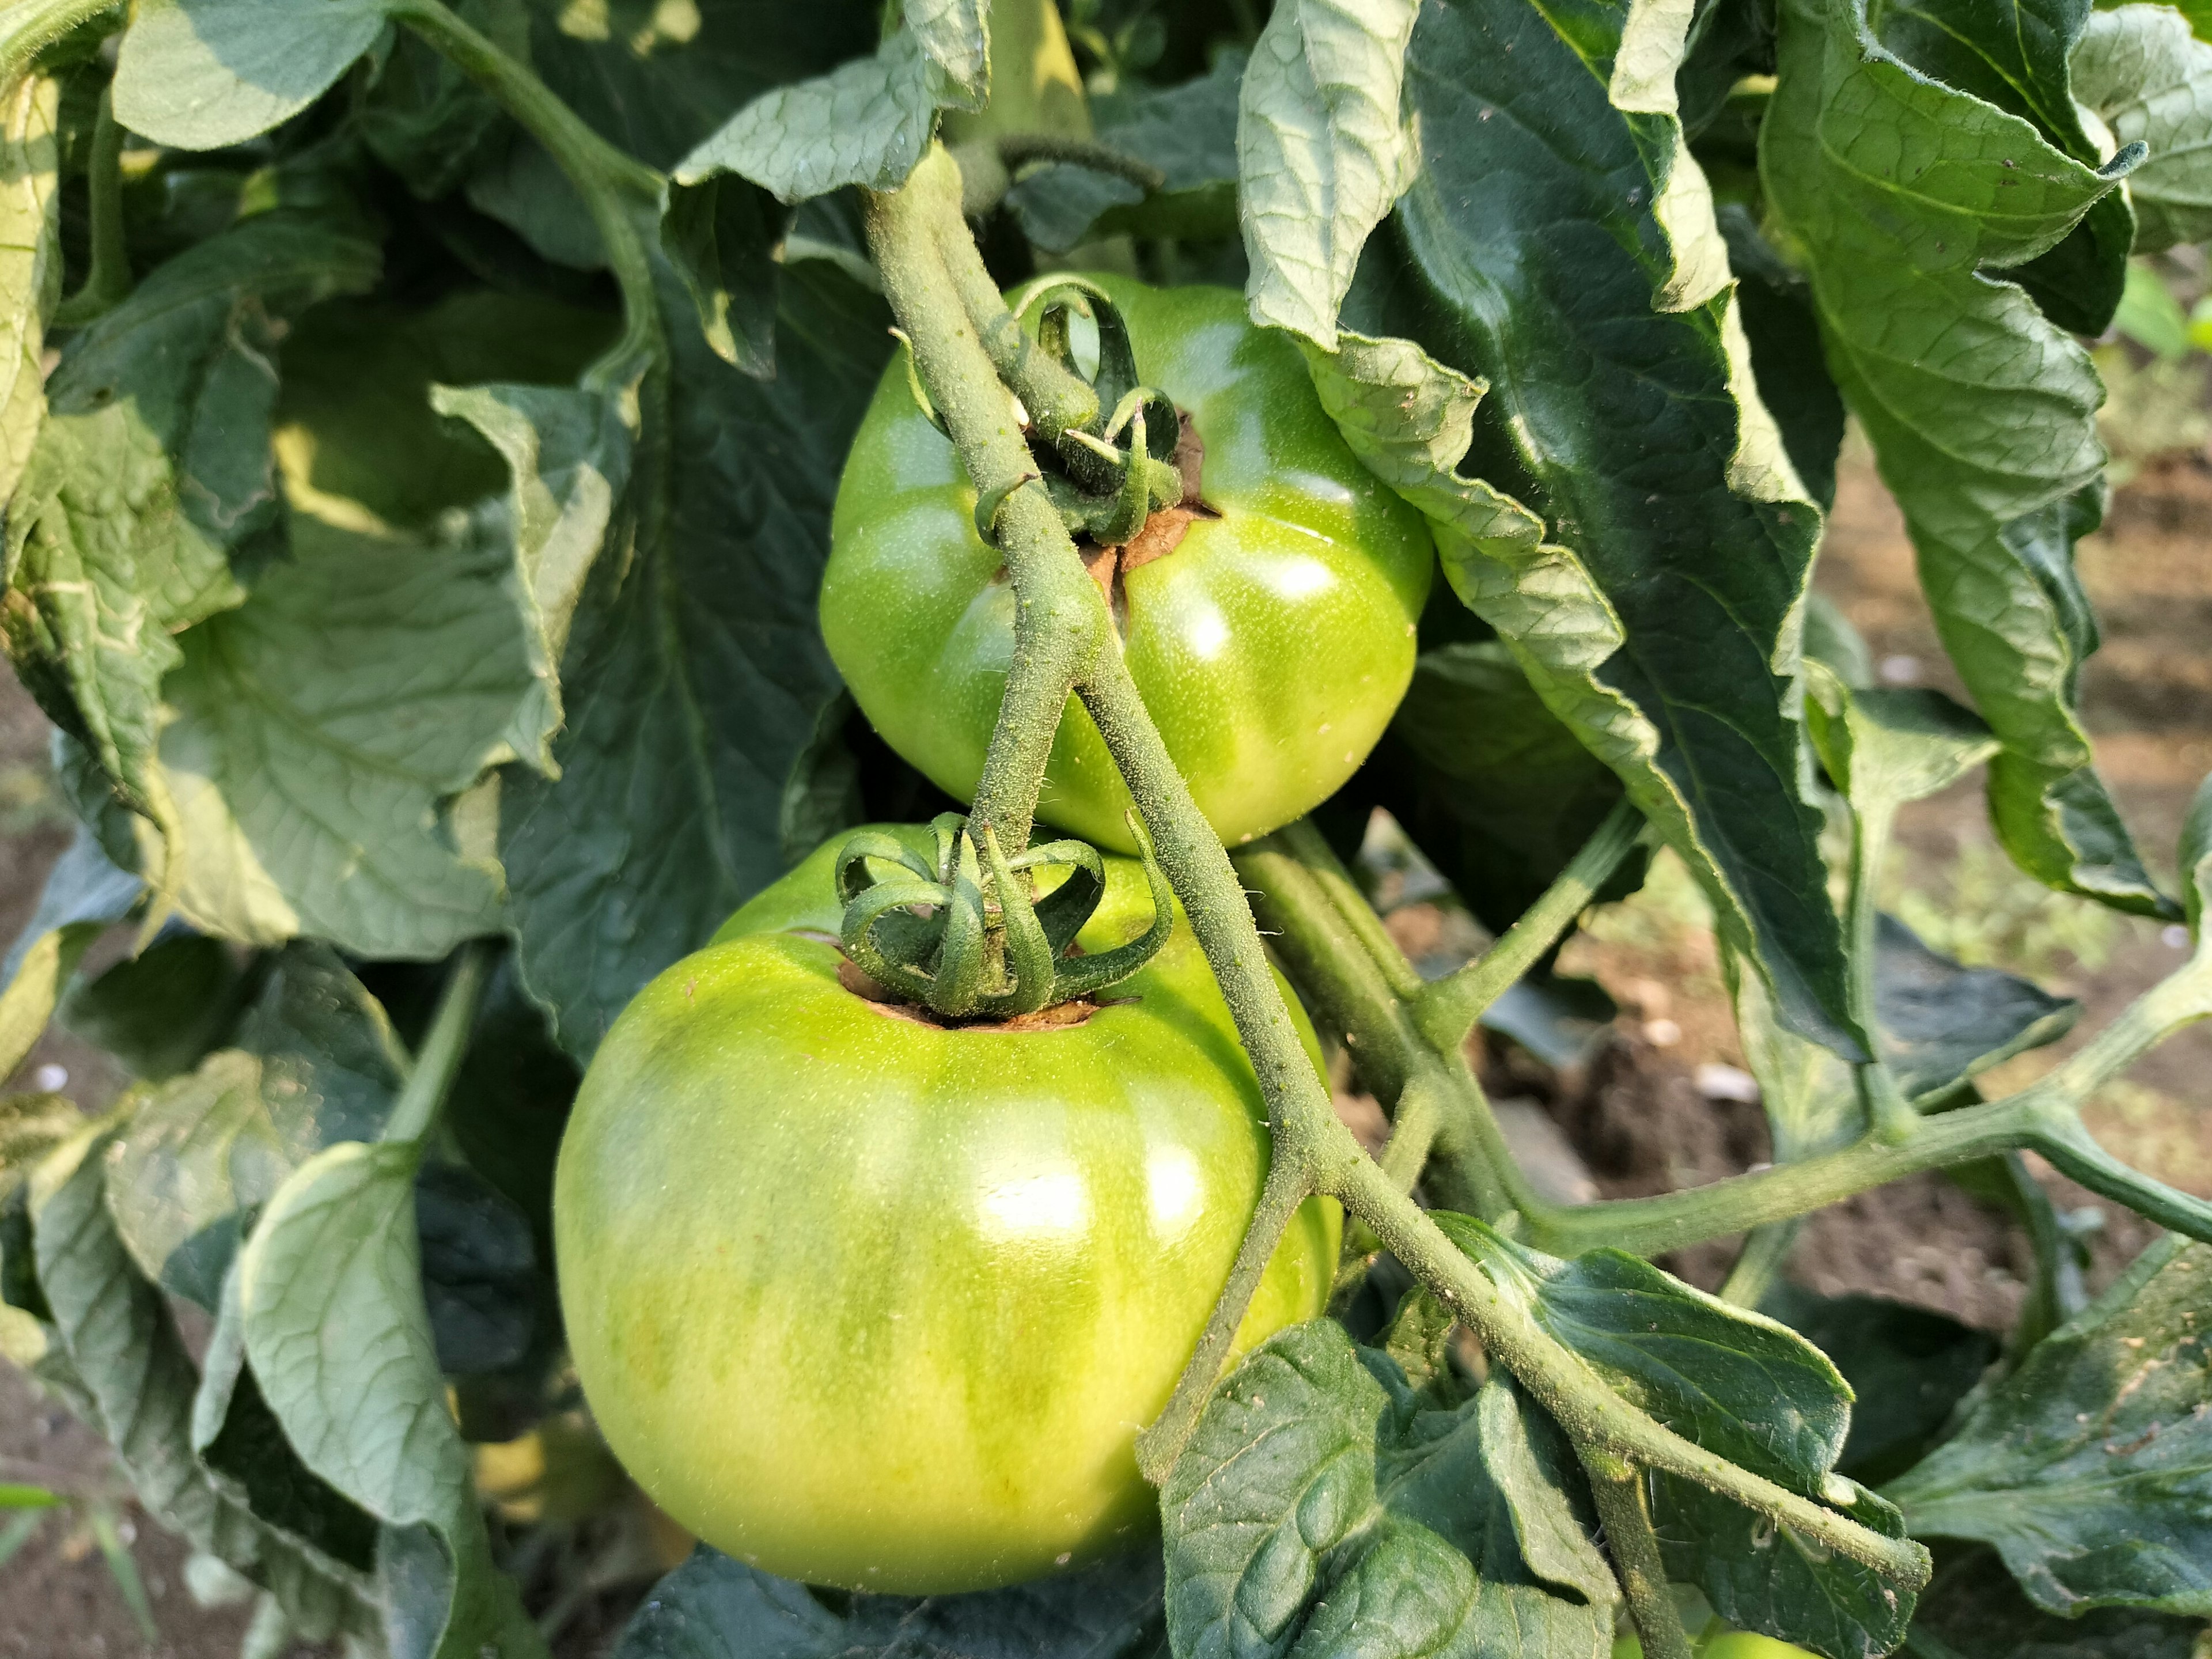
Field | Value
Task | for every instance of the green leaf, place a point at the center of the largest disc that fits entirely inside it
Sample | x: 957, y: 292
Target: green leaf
x: 1324, y: 1507
x: 30, y: 263
x: 162, y: 1010
x: 722, y: 236
x: 1733, y: 1381
x: 2195, y: 855
x: 2012, y: 55
x: 1490, y: 784
x: 694, y: 668
x: 713, y: 1608
x: 1975, y: 1611
x: 1942, y: 1023
x: 31, y: 1126
x: 480, y: 1272
x: 136, y: 1383
x: 84, y: 895
x: 1322, y: 150
x: 1909, y: 1367
x: 1898, y: 191
x: 1549, y: 227
x: 1188, y: 131
x: 865, y: 123
x: 332, y: 1304
x: 314, y: 1063
x: 2090, y: 1468
x: 355, y: 417
x: 1765, y: 1577
x: 1785, y: 337
x: 2149, y: 78
x: 313, y: 733
x: 153, y: 468
x: 1885, y: 748
x: 208, y: 74
x: 511, y: 1099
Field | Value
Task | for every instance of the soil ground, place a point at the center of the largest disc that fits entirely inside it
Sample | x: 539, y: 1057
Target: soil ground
x: 1637, y: 1117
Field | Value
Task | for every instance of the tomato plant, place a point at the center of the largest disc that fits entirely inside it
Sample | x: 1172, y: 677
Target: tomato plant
x: 991, y: 1245
x: 1282, y: 550
x: 497, y: 491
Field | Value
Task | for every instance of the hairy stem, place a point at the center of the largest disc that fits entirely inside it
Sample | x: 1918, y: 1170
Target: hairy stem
x: 1594, y: 1417
x: 1060, y: 623
x: 621, y: 194
x: 107, y: 284
x: 434, y: 1068
x: 1450, y: 1007
x: 1618, y: 1488
x: 1018, y: 149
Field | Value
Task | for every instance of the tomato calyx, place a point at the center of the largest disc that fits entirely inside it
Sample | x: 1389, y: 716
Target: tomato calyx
x: 965, y: 937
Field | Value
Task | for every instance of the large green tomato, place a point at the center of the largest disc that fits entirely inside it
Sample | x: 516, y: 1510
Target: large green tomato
x: 1734, y: 1644
x: 868, y: 1301
x: 1270, y: 644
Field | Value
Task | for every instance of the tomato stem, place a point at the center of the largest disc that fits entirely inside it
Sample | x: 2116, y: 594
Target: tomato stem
x: 1619, y: 1491
x: 621, y: 194
x: 107, y: 284
x: 432, y: 1077
x: 28, y: 30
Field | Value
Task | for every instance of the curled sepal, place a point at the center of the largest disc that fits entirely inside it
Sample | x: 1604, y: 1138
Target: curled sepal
x: 1085, y: 977
x: 988, y: 503
x: 914, y: 385
x: 967, y: 939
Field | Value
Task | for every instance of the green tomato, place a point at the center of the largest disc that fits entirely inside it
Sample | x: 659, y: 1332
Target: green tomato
x: 872, y: 1302
x: 1270, y: 644
x: 1735, y: 1645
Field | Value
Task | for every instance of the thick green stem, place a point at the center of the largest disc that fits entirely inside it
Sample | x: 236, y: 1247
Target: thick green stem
x: 1450, y: 1007
x: 1060, y: 620
x: 29, y: 26
x: 1594, y: 1417
x: 1618, y: 1488
x: 621, y: 194
x: 107, y: 284
x: 1058, y: 400
x: 1018, y: 149
x: 432, y: 1077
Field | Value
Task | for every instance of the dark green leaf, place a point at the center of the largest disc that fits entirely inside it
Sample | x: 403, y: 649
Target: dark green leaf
x: 1942, y: 1023
x: 31, y: 1126
x: 1536, y: 254
x: 713, y: 1608
x: 1188, y: 132
x: 695, y: 669
x: 315, y: 1063
x: 1784, y: 336
x: 161, y: 1011
x: 480, y: 1279
x: 424, y: 118
x: 1900, y: 191
x: 2090, y: 1469
x: 1908, y: 1366
x: 511, y: 1099
x: 208, y: 74
x: 1763, y: 1576
x: 1973, y: 1610
x: 721, y: 236
x: 339, y: 1341
x: 1733, y: 1382
x: 2143, y: 69
x: 1324, y: 1507
x: 1493, y: 787
x: 154, y: 466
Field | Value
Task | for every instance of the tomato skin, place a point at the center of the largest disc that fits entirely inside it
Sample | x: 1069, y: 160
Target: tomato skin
x: 1271, y: 648
x: 1736, y: 1645
x: 869, y: 1302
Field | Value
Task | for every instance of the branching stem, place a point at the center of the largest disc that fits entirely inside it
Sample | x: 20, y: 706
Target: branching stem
x: 1618, y: 1488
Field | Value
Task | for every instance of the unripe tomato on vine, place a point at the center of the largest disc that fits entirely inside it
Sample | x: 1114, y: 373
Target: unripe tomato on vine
x: 872, y: 1301
x: 1267, y: 620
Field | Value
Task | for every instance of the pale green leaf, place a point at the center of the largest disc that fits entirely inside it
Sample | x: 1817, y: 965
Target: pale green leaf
x: 336, y: 1331
x: 208, y: 74
x: 1321, y: 153
x: 2150, y: 79
x: 84, y: 895
x: 30, y: 265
